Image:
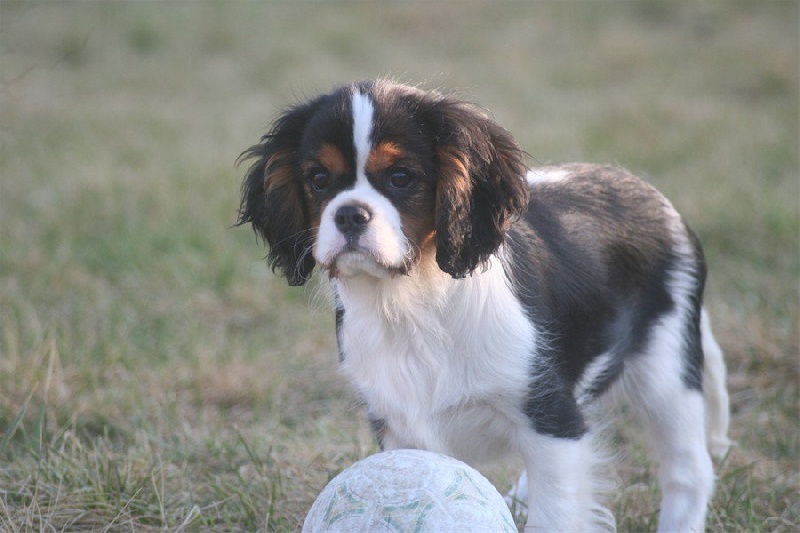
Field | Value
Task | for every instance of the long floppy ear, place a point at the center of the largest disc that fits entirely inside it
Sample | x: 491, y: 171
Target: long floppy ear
x: 272, y: 196
x: 481, y: 188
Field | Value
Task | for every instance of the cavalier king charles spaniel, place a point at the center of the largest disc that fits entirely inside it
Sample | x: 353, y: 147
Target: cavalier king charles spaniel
x: 484, y: 308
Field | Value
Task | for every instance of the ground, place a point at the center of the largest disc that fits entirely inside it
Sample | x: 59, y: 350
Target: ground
x: 155, y: 376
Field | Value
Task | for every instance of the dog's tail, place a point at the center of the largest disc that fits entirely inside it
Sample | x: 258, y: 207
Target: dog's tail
x: 715, y: 392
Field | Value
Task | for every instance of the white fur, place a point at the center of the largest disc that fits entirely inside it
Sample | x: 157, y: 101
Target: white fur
x: 363, y: 111
x: 382, y: 244
x: 590, y: 374
x: 546, y: 175
x: 716, y: 392
x: 417, y: 350
x: 673, y: 418
x: 562, y: 495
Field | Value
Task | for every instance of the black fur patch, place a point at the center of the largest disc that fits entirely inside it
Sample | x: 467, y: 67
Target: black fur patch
x: 591, y: 262
x: 693, y: 362
x: 378, y: 427
x: 339, y: 325
x: 550, y: 406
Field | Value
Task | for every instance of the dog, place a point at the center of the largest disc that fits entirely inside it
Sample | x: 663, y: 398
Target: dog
x: 485, y: 308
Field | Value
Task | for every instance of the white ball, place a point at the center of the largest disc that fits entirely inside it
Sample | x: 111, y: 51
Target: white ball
x: 409, y: 491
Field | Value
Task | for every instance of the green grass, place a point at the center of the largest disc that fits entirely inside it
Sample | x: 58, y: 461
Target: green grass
x: 155, y: 376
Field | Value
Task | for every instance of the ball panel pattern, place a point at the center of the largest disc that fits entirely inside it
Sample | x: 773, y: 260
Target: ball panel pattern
x: 405, y: 491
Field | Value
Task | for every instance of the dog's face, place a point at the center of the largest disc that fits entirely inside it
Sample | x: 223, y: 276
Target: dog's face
x: 374, y: 176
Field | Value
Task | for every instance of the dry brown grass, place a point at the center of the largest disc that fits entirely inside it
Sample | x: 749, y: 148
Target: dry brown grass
x: 154, y: 375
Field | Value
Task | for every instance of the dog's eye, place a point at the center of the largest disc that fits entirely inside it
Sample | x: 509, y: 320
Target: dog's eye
x: 320, y: 179
x: 400, y: 178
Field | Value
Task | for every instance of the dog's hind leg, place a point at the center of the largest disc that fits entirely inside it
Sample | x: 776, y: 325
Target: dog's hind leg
x: 660, y: 387
x: 715, y: 392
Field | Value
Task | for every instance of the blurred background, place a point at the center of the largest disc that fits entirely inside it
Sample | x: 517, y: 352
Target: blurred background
x: 155, y: 376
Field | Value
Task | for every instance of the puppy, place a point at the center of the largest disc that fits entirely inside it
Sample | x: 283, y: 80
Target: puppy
x: 483, y: 308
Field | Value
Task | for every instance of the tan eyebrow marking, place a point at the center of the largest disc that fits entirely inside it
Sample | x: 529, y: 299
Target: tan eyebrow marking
x: 332, y: 159
x: 384, y: 156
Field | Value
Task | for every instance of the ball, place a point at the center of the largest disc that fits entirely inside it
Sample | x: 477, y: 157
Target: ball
x: 409, y: 491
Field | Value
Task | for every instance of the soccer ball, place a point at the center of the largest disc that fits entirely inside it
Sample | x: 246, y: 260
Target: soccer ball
x: 409, y: 491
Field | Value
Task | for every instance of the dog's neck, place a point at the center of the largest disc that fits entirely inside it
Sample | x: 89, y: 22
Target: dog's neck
x: 426, y: 291
x: 423, y: 289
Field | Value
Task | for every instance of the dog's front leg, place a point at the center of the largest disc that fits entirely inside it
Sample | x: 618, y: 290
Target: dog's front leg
x: 560, y: 492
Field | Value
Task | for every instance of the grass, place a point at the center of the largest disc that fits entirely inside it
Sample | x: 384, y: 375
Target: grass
x: 154, y: 376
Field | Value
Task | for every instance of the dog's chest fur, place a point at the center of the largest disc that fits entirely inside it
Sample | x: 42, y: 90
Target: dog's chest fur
x: 438, y: 362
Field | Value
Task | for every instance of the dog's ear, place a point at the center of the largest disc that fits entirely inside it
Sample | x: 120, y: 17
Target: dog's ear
x: 481, y: 186
x: 272, y: 196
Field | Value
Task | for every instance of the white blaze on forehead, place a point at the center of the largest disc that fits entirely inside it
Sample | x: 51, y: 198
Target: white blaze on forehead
x: 363, y: 112
x: 382, y: 245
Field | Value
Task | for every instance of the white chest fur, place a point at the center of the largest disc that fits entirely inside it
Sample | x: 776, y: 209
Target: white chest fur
x: 446, y: 363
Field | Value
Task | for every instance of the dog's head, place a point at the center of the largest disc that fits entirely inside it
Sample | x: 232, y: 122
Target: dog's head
x: 373, y: 176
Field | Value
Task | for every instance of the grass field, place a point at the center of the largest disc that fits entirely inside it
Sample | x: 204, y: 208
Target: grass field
x: 155, y: 376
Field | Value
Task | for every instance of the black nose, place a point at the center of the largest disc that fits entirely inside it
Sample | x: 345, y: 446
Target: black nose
x: 352, y: 219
